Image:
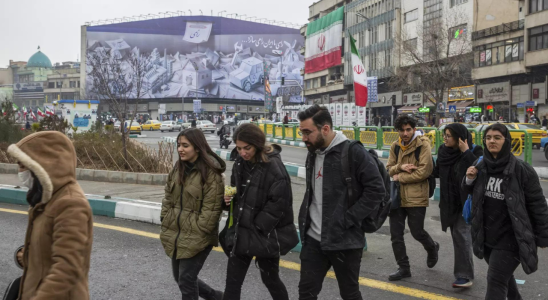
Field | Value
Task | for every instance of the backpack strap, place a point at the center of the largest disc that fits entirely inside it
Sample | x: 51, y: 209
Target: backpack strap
x: 346, y: 160
x: 418, y: 153
x: 397, y: 152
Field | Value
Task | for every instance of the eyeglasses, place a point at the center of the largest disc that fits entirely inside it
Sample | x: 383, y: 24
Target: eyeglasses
x: 307, y: 133
x: 497, y: 138
x: 445, y: 136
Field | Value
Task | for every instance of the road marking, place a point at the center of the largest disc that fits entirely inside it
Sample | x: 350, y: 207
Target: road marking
x: 372, y: 283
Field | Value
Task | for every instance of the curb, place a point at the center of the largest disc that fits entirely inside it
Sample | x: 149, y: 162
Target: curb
x: 171, y: 140
x: 142, y: 211
x: 104, y: 175
x: 284, y: 142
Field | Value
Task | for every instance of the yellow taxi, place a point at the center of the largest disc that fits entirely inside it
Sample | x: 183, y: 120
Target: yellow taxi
x: 432, y: 134
x: 151, y: 125
x: 135, y: 127
x: 535, y: 131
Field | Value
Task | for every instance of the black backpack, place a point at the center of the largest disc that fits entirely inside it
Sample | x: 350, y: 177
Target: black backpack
x: 431, y: 178
x: 375, y: 220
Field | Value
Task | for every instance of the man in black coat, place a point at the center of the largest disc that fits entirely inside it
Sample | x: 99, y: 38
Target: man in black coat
x: 330, y: 226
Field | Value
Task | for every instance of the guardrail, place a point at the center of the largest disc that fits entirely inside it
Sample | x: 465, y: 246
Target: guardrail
x: 380, y: 138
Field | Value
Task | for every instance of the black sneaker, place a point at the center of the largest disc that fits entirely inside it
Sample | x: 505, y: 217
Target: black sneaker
x: 462, y: 283
x: 432, y: 258
x: 400, y: 274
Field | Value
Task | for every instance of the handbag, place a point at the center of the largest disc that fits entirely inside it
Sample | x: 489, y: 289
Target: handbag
x: 12, y: 292
x: 467, y: 209
x: 395, y: 196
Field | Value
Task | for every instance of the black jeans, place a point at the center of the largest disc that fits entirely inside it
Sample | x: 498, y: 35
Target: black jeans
x: 415, y: 219
x: 315, y: 263
x: 270, y: 274
x: 500, y: 275
x: 185, y: 272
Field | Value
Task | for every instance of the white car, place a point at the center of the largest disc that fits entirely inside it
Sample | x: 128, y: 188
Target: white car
x: 170, y: 126
x: 229, y: 121
x: 117, y: 125
x: 206, y: 125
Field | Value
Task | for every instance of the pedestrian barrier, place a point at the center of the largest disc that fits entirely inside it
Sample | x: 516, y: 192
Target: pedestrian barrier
x: 380, y: 138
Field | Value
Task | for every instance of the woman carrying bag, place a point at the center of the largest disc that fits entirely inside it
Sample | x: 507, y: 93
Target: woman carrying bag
x: 509, y: 213
x: 455, y: 156
x: 191, y: 211
x: 261, y: 219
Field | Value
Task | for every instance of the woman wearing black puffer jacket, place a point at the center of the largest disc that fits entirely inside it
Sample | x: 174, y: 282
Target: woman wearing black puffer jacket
x: 509, y: 213
x: 261, y: 219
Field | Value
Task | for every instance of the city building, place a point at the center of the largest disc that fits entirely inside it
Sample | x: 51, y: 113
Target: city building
x: 327, y: 85
x: 63, y: 83
x: 30, y: 79
x: 510, y: 59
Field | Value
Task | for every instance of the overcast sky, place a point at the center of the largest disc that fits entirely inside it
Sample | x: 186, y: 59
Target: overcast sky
x: 55, y: 25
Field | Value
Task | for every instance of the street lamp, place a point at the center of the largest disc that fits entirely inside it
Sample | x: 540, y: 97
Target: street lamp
x: 221, y: 13
x: 190, y: 12
x: 201, y: 12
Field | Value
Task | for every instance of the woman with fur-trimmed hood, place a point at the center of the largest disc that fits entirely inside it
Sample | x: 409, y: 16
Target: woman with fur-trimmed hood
x: 57, y: 250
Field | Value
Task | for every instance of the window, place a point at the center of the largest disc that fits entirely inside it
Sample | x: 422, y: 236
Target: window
x: 538, y: 38
x: 388, y: 58
x: 78, y: 83
x: 373, y: 61
x: 537, y: 5
x: 51, y: 85
x: 499, y: 52
x: 314, y: 83
x: 411, y: 44
x: 72, y: 84
x: 374, y: 35
x: 59, y: 84
x: 308, y: 83
x: 388, y: 30
x: 457, y: 2
x: 412, y: 15
x: 323, y: 80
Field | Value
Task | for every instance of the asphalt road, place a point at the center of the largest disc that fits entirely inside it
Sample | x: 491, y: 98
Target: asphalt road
x: 128, y: 262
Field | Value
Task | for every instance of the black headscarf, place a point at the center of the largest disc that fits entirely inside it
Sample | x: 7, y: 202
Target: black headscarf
x: 449, y: 156
x: 497, y: 165
x: 34, y: 195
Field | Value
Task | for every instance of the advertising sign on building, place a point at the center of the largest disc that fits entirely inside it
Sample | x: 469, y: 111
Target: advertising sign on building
x: 332, y: 111
x: 161, y: 109
x: 338, y: 114
x: 28, y: 87
x: 372, y: 93
x: 346, y: 114
x: 353, y: 113
x: 204, y: 57
x: 361, y: 116
x: 413, y: 98
x: 495, y: 92
x: 197, y: 106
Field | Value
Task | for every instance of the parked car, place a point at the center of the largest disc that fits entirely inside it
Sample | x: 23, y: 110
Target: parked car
x: 117, y: 125
x: 205, y: 125
x: 535, y: 131
x: 229, y: 121
x: 248, y: 74
x: 135, y: 127
x: 170, y: 126
x: 151, y: 125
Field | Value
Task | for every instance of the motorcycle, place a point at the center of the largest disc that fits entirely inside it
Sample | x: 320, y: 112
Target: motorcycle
x: 224, y: 134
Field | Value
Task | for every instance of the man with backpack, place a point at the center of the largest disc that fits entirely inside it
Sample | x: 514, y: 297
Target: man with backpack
x: 333, y: 218
x: 410, y: 163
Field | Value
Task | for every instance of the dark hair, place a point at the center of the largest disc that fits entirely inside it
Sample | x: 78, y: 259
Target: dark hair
x: 254, y: 136
x: 453, y: 133
x: 405, y: 120
x: 498, y: 127
x: 204, y: 162
x: 320, y: 116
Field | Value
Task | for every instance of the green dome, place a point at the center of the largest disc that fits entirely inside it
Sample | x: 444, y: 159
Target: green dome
x: 39, y: 60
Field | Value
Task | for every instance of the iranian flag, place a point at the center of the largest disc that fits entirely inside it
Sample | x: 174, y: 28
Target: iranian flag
x: 360, y: 76
x: 25, y: 111
x: 324, y: 42
x: 49, y: 111
x: 33, y: 115
x: 15, y: 107
x: 41, y: 113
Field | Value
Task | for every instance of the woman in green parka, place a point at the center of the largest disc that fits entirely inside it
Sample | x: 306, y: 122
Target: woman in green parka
x: 191, y: 211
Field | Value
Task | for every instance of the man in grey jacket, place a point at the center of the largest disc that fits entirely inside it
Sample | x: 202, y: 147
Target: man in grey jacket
x: 330, y: 225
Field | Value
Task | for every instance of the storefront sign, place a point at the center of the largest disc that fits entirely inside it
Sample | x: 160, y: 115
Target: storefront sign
x: 530, y: 103
x: 535, y: 93
x: 520, y: 105
x: 495, y: 92
x: 415, y: 98
x: 475, y: 109
x: 424, y: 109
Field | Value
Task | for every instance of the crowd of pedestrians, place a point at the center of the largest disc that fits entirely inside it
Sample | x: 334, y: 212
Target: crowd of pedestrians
x: 503, y: 196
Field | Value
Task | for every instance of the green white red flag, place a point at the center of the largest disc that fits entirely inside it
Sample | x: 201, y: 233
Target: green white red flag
x: 324, y: 42
x: 41, y: 113
x: 360, y: 75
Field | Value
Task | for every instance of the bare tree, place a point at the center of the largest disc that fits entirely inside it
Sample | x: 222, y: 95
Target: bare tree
x: 435, y: 58
x: 116, y: 79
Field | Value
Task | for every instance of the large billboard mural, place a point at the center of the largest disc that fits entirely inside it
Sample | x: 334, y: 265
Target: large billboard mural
x: 207, y: 57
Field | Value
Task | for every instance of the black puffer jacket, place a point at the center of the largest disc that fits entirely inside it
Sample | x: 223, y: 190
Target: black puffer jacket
x: 526, y: 205
x: 452, y: 198
x: 341, y: 220
x: 263, y: 216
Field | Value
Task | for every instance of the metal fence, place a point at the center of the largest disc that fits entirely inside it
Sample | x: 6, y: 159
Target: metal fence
x: 382, y: 138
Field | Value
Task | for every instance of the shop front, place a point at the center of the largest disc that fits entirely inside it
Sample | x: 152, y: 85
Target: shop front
x: 385, y: 108
x: 495, y: 101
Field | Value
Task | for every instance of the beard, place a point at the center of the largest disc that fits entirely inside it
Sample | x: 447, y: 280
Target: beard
x: 312, y: 146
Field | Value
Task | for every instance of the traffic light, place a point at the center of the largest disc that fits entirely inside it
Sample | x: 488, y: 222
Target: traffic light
x: 283, y: 80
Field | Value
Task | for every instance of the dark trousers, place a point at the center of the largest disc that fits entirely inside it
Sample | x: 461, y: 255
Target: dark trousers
x: 185, y: 272
x: 270, y: 274
x: 315, y: 263
x: 501, y: 283
x: 415, y: 219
